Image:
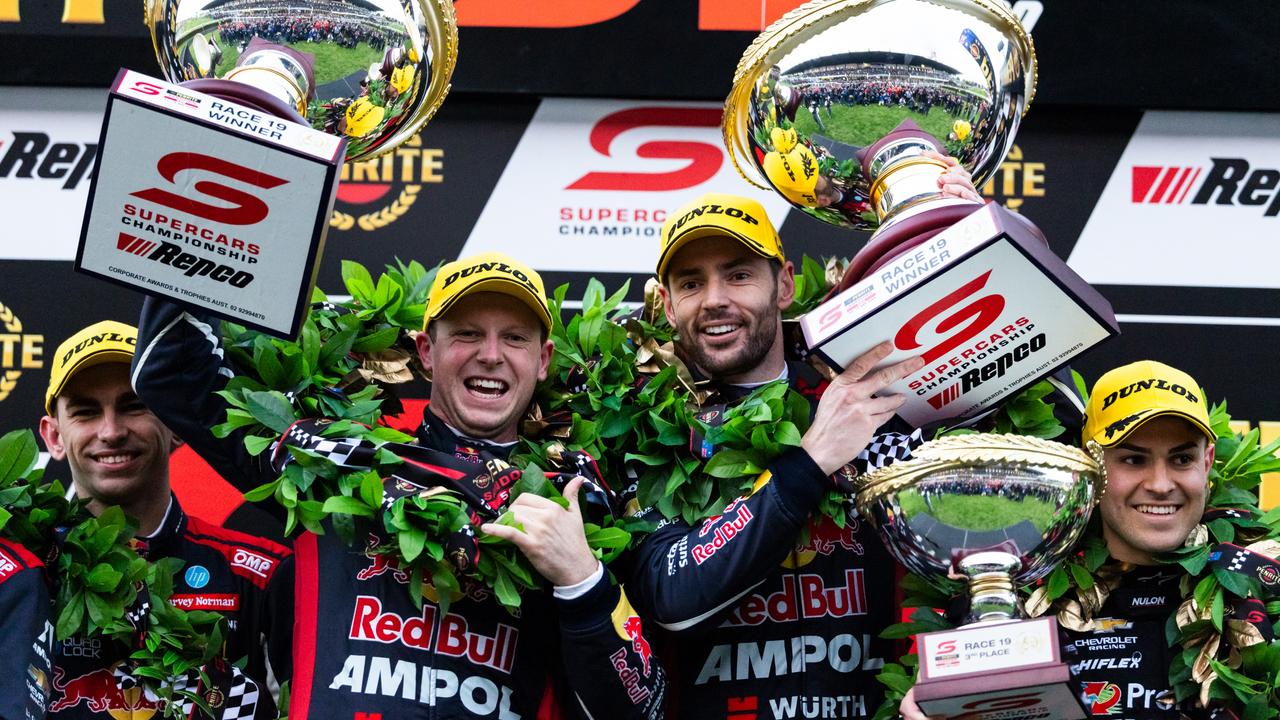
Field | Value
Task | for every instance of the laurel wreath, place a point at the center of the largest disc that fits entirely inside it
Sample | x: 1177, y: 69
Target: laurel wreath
x: 382, y: 218
x: 1221, y: 663
x: 10, y: 378
x: 101, y: 587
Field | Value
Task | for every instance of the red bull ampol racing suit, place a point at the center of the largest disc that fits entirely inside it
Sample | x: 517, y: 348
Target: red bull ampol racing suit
x: 362, y: 649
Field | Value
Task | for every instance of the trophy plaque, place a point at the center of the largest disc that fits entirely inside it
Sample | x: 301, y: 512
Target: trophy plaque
x: 214, y: 189
x: 1000, y: 511
x: 844, y: 108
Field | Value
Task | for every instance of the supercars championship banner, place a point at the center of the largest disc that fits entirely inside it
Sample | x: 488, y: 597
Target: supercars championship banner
x: 1173, y: 216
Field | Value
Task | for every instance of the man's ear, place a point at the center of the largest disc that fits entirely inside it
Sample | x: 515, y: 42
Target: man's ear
x: 423, y: 342
x: 544, y: 362
x: 52, y: 436
x: 786, y: 285
x: 667, y: 308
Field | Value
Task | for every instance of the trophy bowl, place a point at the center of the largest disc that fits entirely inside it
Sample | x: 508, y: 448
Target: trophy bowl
x: 835, y: 103
x: 372, y: 71
x: 1000, y: 510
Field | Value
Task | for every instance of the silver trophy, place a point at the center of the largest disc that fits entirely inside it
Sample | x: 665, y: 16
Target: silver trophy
x: 371, y: 71
x: 834, y: 105
x: 999, y: 511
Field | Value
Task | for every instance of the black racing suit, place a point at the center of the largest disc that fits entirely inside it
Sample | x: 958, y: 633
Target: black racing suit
x: 1122, y: 668
x: 246, y: 578
x: 26, y: 634
x: 362, y: 650
x: 771, y: 625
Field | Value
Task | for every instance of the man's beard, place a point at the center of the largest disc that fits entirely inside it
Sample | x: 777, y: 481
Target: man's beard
x: 743, y: 358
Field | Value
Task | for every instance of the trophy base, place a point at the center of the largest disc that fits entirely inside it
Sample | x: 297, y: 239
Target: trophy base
x: 996, y: 671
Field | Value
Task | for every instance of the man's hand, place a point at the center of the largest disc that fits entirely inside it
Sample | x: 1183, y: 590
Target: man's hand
x: 552, y: 538
x: 956, y: 181
x: 848, y: 414
x: 909, y: 710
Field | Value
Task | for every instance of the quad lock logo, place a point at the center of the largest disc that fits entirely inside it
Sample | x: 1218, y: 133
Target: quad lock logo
x: 374, y: 193
x: 18, y: 351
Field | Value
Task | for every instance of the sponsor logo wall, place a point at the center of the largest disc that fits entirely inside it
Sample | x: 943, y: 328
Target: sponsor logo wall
x: 580, y: 188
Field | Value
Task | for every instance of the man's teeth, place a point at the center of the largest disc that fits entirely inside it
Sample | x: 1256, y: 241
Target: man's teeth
x: 114, y: 459
x: 487, y: 386
x: 1158, y: 509
x: 720, y: 329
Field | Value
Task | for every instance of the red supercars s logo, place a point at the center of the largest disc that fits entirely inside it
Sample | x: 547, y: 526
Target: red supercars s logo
x: 703, y: 158
x: 981, y: 313
x: 245, y: 209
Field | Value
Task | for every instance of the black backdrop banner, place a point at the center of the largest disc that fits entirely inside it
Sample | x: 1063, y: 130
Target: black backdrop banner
x: 1142, y: 53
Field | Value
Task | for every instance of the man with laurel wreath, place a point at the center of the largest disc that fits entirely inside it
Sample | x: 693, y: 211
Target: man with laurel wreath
x: 1153, y: 425
x: 118, y: 450
x: 776, y: 607
x: 362, y: 646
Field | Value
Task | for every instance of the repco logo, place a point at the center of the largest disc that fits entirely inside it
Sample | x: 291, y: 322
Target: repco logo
x: 374, y: 193
x: 18, y: 351
x: 1229, y: 181
x: 244, y: 209
x: 34, y: 156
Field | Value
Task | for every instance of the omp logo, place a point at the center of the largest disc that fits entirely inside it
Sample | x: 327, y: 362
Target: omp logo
x: 8, y: 567
x: 34, y: 156
x: 253, y: 562
x: 245, y: 209
x: 1228, y: 181
x: 703, y: 159
x: 191, y: 265
x: 374, y: 193
x: 18, y: 351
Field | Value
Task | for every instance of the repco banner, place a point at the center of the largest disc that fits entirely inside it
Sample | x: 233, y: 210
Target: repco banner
x: 209, y: 203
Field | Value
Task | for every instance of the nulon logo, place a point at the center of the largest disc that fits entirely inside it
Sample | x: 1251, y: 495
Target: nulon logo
x: 1228, y: 181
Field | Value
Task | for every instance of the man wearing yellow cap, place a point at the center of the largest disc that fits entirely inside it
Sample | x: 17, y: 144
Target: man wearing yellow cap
x: 118, y: 453
x: 362, y: 646
x: 784, y: 619
x: 1152, y: 422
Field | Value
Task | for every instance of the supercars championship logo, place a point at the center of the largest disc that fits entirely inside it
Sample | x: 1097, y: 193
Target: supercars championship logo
x: 374, y: 193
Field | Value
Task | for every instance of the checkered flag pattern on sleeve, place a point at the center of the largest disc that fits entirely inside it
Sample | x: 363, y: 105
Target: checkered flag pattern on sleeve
x: 886, y: 449
x: 351, y: 453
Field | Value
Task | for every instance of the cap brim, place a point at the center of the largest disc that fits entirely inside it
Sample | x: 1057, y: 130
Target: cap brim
x: 84, y: 362
x: 1139, y: 419
x: 704, y: 231
x: 506, y: 287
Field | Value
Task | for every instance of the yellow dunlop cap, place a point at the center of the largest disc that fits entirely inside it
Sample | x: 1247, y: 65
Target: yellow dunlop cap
x: 101, y: 342
x: 1125, y: 398
x: 719, y: 215
x: 487, y: 272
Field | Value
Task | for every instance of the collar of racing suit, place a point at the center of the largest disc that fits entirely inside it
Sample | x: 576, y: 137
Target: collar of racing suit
x: 164, y: 542
x: 436, y: 434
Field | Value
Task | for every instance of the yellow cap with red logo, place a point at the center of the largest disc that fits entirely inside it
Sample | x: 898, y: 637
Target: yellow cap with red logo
x: 719, y: 215
x: 487, y: 272
x: 1128, y: 396
x: 101, y: 342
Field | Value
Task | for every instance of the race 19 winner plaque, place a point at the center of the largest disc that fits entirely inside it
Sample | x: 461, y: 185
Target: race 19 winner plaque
x: 209, y: 203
